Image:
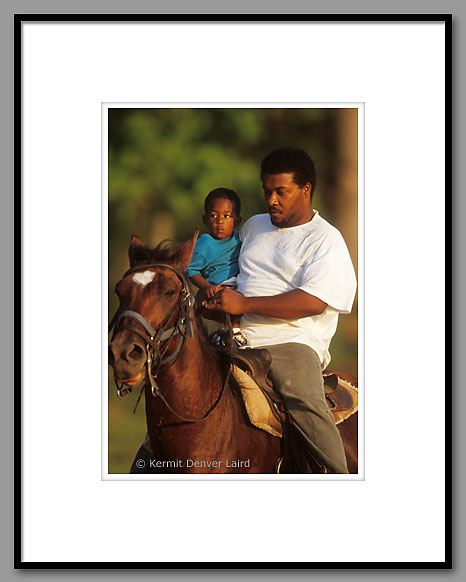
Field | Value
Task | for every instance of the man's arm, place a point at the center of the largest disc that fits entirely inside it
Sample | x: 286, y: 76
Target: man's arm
x: 290, y: 305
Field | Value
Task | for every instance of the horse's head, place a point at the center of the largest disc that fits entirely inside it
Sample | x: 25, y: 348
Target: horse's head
x: 154, y: 299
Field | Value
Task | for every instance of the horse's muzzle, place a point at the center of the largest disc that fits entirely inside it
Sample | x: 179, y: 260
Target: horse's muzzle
x: 127, y: 359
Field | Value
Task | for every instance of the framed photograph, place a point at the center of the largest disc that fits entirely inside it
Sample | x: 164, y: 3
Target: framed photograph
x: 166, y: 203
x: 141, y: 155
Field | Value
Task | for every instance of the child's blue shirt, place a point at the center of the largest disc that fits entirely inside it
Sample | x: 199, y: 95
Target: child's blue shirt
x: 215, y: 259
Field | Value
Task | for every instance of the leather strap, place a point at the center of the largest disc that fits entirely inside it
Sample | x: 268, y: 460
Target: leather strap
x: 135, y: 315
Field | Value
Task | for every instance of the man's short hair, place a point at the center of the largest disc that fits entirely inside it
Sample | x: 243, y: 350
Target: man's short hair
x: 291, y: 160
x: 230, y: 195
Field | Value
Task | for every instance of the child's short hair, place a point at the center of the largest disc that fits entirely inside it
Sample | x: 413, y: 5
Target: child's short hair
x: 230, y: 195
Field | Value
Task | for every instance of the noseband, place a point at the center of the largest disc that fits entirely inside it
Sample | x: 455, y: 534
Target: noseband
x: 155, y: 360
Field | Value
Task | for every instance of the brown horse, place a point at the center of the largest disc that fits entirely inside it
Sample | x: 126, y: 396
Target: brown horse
x: 195, y: 420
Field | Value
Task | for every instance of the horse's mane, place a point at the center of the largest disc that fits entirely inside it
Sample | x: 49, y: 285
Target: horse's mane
x: 165, y: 251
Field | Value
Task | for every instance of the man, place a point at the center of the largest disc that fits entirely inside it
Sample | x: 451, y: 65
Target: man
x: 295, y: 277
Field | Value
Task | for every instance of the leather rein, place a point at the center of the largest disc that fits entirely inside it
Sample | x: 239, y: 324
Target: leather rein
x: 156, y: 358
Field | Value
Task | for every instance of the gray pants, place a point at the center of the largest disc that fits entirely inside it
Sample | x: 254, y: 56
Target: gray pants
x: 297, y: 375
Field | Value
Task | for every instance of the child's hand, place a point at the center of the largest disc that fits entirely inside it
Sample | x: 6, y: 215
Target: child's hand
x: 212, y: 291
x: 228, y: 301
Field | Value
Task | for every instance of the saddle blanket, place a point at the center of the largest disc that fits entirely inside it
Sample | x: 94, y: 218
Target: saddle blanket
x: 260, y: 412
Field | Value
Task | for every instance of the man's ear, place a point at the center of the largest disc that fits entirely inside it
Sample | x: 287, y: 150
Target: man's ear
x: 185, y: 251
x: 308, y: 190
x: 134, y: 251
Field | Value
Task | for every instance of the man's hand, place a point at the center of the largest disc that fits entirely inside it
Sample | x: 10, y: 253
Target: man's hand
x: 226, y: 300
x: 290, y: 305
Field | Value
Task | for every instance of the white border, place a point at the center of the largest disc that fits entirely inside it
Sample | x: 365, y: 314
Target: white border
x: 231, y: 477
x: 397, y: 70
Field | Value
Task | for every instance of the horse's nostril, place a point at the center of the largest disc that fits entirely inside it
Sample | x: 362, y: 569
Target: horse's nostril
x: 111, y: 356
x: 136, y: 353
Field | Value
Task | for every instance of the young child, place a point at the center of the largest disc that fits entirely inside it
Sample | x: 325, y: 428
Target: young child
x: 215, y: 258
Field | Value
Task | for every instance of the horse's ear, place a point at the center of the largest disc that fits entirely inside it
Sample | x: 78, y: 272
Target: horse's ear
x: 185, y: 251
x: 135, y: 240
x: 134, y: 246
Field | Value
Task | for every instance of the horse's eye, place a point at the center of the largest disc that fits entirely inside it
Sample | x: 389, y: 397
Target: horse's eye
x: 170, y: 292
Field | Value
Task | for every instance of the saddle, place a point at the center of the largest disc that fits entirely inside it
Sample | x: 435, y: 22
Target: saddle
x: 264, y: 406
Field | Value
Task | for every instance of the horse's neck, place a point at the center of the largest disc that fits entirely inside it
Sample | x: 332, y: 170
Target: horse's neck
x: 194, y: 382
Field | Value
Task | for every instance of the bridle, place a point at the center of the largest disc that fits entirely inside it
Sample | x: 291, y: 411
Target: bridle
x: 153, y: 339
x: 156, y: 360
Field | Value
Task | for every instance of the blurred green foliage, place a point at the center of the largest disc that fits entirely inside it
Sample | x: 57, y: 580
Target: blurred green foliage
x: 161, y: 165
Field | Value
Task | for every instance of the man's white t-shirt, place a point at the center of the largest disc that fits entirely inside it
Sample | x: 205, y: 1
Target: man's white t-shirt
x: 312, y: 257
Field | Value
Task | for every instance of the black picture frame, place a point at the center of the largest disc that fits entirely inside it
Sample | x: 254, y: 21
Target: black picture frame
x: 23, y: 18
